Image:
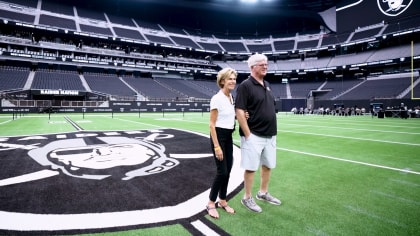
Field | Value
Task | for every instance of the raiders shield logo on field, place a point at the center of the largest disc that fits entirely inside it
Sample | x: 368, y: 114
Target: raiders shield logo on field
x: 96, y: 180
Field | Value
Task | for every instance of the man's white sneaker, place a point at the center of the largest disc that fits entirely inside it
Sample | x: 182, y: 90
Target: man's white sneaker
x: 268, y: 198
x: 251, y: 205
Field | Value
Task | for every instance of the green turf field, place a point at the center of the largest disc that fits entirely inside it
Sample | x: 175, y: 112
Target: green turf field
x: 335, y: 176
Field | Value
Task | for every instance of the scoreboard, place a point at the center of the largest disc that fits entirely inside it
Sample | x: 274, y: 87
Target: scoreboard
x: 361, y: 13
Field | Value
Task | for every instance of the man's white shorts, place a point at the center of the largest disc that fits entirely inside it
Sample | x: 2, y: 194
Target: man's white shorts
x: 257, y: 151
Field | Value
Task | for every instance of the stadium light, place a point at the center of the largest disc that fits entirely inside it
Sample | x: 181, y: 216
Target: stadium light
x: 249, y: 1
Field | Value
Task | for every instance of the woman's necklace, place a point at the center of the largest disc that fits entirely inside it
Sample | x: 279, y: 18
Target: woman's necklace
x: 229, y: 96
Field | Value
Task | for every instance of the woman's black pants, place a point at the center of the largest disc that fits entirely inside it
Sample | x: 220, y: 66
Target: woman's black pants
x: 221, y: 180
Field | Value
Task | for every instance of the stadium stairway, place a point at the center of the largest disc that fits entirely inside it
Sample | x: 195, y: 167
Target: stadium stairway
x: 85, y: 84
x: 408, y: 89
x: 29, y: 81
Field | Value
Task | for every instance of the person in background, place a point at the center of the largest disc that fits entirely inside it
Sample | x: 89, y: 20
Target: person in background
x: 258, y: 132
x: 222, y: 125
x: 403, y: 111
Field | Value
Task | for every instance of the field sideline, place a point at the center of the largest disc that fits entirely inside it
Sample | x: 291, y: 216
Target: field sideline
x: 356, y: 175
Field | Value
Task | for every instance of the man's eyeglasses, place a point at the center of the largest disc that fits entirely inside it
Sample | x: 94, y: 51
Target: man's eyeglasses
x: 262, y: 65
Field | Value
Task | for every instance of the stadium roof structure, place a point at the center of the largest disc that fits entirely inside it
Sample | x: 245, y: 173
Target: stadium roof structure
x: 229, y: 18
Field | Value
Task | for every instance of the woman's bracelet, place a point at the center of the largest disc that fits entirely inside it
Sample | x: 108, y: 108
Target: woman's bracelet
x: 217, y: 148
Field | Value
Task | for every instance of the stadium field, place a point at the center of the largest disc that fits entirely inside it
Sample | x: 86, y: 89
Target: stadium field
x: 335, y: 175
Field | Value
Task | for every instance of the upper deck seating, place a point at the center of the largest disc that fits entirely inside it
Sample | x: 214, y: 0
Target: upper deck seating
x: 158, y: 39
x: 286, y: 45
x: 94, y: 29
x: 184, y: 41
x: 307, y: 44
x: 121, y: 20
x: 128, y: 33
x: 365, y: 34
x: 260, y: 48
x: 17, y: 16
x: 57, y: 22
x: 57, y: 8
x: 84, y: 13
x: 334, y: 39
x: 210, y: 46
x: 233, y: 46
x: 27, y: 3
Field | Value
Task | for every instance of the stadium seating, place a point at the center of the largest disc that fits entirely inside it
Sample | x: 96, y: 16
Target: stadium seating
x: 128, y: 33
x: 337, y: 87
x: 55, y: 21
x: 108, y: 84
x: 301, y: 89
x: 292, y: 54
x: 378, y: 88
x: 57, y: 80
x: 152, y: 89
x: 13, y: 78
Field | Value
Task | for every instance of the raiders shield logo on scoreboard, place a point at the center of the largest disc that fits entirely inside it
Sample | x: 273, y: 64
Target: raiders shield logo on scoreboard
x: 393, y: 7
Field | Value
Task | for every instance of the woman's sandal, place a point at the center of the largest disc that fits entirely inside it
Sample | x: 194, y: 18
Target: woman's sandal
x: 226, y: 208
x: 208, y: 208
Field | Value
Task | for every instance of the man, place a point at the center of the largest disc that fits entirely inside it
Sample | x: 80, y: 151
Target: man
x: 403, y: 111
x: 258, y: 132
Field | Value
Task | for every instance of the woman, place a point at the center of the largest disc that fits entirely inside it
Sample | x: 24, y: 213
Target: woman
x: 222, y: 124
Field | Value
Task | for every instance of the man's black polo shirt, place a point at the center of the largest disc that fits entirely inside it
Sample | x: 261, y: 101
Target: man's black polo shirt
x: 259, y: 101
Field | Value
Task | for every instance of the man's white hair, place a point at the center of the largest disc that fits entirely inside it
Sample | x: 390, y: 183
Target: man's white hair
x: 254, y: 59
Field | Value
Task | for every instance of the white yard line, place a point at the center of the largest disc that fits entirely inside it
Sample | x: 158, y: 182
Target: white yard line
x: 341, y: 159
x: 346, y: 121
x: 346, y: 137
x: 344, y: 128
x: 137, y: 122
x: 395, y: 197
x: 4, y: 122
x: 350, y: 161
x: 408, y: 183
x: 374, y: 216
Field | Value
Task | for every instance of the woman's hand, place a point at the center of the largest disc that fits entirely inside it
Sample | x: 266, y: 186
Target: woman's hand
x: 219, y: 153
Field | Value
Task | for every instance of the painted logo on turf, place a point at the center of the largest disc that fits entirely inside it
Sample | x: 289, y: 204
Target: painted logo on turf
x: 76, y: 158
x: 96, y: 180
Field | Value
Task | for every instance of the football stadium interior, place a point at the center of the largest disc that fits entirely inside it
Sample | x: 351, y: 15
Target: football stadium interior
x: 66, y: 57
x: 82, y: 80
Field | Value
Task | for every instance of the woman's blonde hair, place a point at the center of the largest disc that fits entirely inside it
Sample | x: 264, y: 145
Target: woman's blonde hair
x: 225, y: 74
